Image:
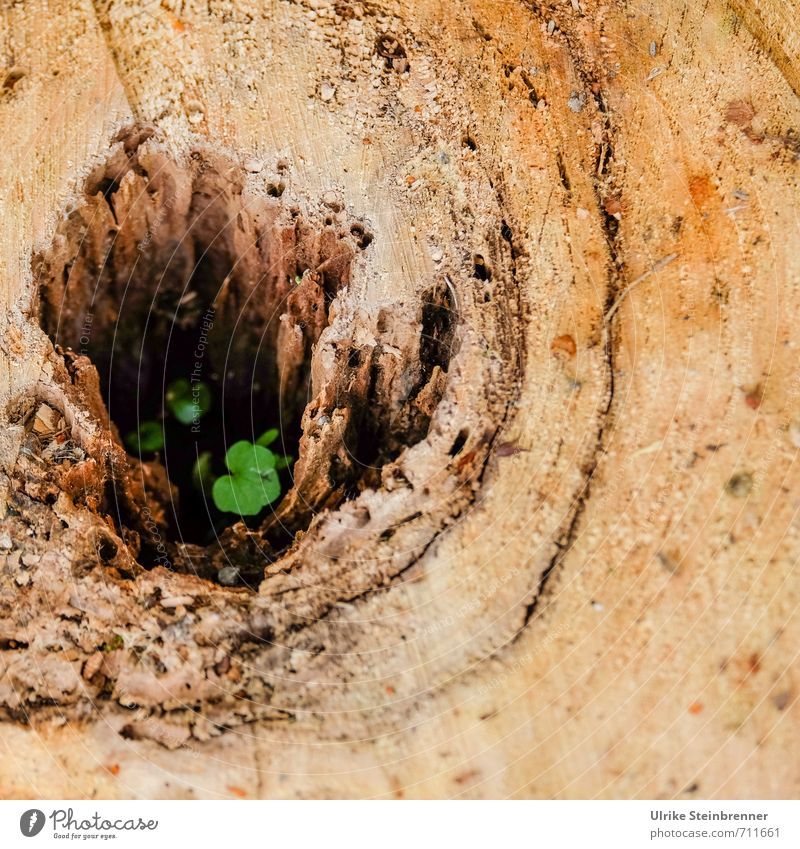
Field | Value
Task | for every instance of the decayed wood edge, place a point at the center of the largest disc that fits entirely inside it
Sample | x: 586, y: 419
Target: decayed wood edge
x: 279, y: 588
x: 723, y: 772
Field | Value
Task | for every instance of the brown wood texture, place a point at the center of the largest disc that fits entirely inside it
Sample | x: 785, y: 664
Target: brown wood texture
x: 613, y: 610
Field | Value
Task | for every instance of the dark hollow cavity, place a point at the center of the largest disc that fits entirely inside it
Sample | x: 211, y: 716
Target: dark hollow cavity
x: 174, y: 275
x: 170, y: 271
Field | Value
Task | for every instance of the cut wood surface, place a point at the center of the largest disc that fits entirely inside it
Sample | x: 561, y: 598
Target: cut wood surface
x: 572, y: 572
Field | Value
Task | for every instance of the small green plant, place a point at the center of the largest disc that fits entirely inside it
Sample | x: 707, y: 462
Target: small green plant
x: 268, y: 437
x: 253, y: 482
x: 146, y: 440
x: 188, y: 401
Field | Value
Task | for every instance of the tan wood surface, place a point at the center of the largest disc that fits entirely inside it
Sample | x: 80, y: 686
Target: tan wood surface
x: 615, y: 611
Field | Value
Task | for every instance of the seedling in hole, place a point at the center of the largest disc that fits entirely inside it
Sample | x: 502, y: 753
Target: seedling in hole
x: 146, y: 440
x: 253, y: 482
x: 187, y: 401
x: 268, y: 437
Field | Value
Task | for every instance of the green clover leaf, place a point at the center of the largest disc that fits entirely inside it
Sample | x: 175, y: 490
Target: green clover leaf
x: 252, y: 483
x: 188, y: 401
x: 268, y: 437
x: 146, y: 440
x: 244, y: 457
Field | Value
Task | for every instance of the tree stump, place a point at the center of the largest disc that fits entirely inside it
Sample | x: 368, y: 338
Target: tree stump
x: 520, y: 279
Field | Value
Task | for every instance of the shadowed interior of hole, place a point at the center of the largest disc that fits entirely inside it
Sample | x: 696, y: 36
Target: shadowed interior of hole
x: 190, y: 344
x: 170, y: 269
x: 175, y: 276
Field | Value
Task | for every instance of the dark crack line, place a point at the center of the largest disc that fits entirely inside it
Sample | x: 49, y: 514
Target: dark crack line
x: 603, y: 163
